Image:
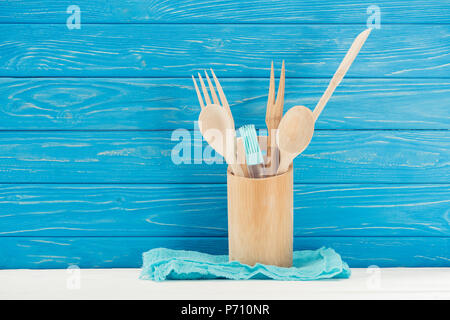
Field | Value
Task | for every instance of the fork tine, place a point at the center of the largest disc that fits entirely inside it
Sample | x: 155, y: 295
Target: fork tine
x: 205, y: 92
x: 280, y: 94
x: 211, y: 88
x: 271, y: 97
x: 223, y: 99
x: 199, y: 96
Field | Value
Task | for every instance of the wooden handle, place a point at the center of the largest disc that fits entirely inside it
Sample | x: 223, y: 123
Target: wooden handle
x: 237, y: 169
x: 234, y: 161
x: 341, y: 71
x: 285, y: 162
x: 284, y: 166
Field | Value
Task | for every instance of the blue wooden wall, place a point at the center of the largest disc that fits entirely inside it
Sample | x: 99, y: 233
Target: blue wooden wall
x: 86, y: 117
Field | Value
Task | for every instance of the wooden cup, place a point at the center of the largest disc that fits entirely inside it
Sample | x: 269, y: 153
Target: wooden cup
x: 260, y: 219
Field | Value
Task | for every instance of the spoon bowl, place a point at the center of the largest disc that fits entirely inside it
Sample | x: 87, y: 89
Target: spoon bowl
x: 294, y: 135
x: 217, y: 127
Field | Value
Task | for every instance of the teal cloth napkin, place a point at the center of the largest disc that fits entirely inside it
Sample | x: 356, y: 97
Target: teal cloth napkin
x: 166, y: 264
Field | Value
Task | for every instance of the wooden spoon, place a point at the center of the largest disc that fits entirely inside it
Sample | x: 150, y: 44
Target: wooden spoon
x: 217, y: 127
x: 294, y: 134
x: 298, y: 127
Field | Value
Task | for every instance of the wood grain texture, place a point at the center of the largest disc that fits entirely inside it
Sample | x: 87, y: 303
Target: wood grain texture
x: 118, y: 252
x: 260, y: 219
x: 320, y: 210
x: 233, y: 50
x: 134, y: 104
x: 225, y: 11
x: 112, y: 192
x: 145, y: 157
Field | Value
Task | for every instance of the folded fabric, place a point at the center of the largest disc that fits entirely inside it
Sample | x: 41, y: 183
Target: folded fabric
x: 166, y: 264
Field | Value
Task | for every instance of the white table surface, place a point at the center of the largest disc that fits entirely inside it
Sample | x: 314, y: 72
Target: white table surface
x: 387, y: 283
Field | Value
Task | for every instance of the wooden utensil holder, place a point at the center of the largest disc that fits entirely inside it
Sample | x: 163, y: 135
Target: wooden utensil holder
x: 260, y: 219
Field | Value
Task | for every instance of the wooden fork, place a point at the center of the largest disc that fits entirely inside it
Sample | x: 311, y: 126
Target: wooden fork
x: 274, y: 113
x: 223, y: 99
x: 236, y: 168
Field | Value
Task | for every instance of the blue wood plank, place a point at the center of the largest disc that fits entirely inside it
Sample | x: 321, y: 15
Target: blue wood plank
x: 334, y: 156
x: 225, y: 11
x: 403, y: 222
x: 125, y: 252
x: 233, y: 50
x: 134, y: 104
x: 201, y: 210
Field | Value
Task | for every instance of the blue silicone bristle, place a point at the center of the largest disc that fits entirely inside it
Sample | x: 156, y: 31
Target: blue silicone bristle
x: 253, y: 154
